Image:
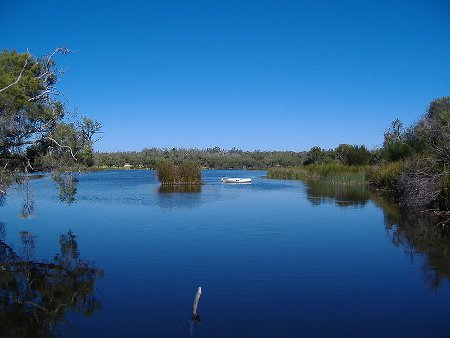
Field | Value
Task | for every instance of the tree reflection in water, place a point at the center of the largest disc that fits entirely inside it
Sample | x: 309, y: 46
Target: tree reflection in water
x: 36, y: 295
x: 343, y: 195
x: 417, y: 231
x: 179, y: 196
x: 414, y: 230
x: 27, y: 206
x: 67, y: 185
x: 180, y: 188
x: 2, y: 199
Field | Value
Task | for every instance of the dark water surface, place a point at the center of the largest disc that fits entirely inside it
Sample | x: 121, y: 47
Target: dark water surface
x: 274, y: 259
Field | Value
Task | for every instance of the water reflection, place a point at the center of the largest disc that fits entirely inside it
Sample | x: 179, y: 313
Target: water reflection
x: 28, y: 241
x: 37, y: 295
x: 180, y: 188
x: 27, y: 206
x: 415, y: 231
x: 182, y: 196
x: 419, y: 233
x: 67, y: 185
x: 2, y: 231
x: 319, y: 192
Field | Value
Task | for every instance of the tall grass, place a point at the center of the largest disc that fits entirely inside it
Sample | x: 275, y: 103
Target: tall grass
x: 187, y: 173
x: 330, y: 173
x: 385, y: 176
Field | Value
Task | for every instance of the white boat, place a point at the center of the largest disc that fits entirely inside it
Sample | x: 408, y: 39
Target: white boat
x: 236, y: 180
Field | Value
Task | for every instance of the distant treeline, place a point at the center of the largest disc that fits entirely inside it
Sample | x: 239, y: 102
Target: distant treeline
x: 211, y: 158
x: 217, y: 158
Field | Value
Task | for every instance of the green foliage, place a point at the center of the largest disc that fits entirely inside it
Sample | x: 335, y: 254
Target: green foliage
x: 385, y: 175
x: 439, y: 110
x: 330, y: 173
x: 418, y: 159
x: 397, y: 142
x: 212, y: 158
x: 34, y: 130
x: 432, y: 132
x: 185, y: 173
x: 353, y: 154
x: 167, y: 172
x: 397, y: 151
x: 318, y: 155
x: 189, y: 172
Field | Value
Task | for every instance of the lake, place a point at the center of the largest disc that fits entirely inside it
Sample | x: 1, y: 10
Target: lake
x: 274, y: 259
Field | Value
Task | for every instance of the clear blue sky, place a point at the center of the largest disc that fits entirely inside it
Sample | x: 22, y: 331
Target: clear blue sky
x: 283, y: 75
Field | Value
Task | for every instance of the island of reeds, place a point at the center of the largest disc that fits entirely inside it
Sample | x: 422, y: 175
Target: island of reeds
x: 184, y: 174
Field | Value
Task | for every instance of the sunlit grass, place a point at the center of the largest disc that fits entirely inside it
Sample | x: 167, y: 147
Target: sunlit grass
x: 330, y: 173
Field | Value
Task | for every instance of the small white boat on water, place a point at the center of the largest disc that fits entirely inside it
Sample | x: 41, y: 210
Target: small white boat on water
x: 236, y: 180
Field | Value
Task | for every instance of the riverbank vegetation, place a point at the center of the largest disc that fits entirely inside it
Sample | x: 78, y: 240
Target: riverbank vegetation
x: 186, y: 173
x: 331, y: 173
x: 416, y: 159
x: 413, y: 165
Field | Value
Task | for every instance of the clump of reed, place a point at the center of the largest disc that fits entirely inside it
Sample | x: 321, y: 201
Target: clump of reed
x: 330, y: 172
x: 385, y: 175
x: 186, y: 173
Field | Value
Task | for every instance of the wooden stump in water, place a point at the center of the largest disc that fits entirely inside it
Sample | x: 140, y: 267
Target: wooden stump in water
x: 195, y: 315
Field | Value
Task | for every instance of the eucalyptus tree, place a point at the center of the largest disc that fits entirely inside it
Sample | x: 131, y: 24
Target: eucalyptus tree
x: 34, y: 128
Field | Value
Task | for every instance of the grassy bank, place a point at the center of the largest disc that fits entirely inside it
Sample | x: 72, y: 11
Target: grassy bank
x: 330, y: 173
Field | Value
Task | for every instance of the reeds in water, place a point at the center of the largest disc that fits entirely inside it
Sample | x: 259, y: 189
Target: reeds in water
x: 187, y: 173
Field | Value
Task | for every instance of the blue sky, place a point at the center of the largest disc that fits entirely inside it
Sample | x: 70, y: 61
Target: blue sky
x: 283, y: 75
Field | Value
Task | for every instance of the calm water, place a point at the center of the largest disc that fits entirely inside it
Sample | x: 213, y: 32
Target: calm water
x: 274, y: 259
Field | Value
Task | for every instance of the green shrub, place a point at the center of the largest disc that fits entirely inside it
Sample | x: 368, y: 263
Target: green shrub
x: 397, y: 151
x: 385, y: 176
x: 352, y: 154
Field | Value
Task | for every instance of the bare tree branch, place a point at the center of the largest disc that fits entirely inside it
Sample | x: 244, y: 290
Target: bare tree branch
x: 62, y: 146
